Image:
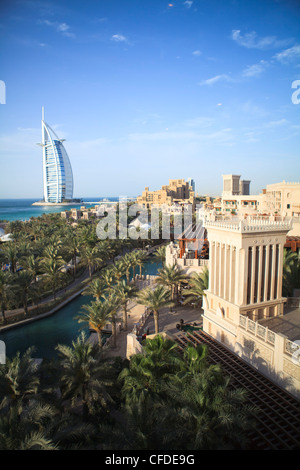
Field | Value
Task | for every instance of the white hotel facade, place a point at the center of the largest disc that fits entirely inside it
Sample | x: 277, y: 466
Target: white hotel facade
x: 57, y: 170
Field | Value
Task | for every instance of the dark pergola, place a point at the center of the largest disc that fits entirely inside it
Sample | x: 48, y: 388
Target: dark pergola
x: 197, y: 235
x: 293, y: 243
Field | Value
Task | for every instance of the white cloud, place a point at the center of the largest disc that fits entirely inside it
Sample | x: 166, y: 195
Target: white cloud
x: 255, y: 69
x: 118, y: 38
x: 188, y: 3
x: 217, y: 78
x: 200, y: 121
x: 62, y: 28
x: 252, y: 41
x: 222, y: 136
x: 197, y: 52
x: 275, y: 124
x: 289, y: 54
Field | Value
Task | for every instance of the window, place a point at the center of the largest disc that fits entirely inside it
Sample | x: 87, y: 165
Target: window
x: 288, y: 206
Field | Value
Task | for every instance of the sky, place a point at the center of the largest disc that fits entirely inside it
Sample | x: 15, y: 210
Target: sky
x: 147, y: 91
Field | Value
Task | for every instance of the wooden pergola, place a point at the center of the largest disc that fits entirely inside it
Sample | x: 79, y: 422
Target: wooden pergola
x: 293, y: 243
x: 196, y: 235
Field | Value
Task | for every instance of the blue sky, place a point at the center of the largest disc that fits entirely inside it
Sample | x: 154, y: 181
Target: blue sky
x: 144, y: 91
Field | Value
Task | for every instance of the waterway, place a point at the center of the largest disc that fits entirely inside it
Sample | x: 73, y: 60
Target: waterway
x: 59, y: 328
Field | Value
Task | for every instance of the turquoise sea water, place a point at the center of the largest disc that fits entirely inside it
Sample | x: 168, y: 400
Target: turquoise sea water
x: 22, y: 209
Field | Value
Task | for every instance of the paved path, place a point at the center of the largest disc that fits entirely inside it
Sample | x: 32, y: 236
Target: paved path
x: 167, y: 323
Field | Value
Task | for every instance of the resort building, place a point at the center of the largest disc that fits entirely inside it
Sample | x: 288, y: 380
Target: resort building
x: 178, y: 191
x: 57, y: 171
x: 243, y: 307
x: 282, y: 199
x: 245, y: 293
x: 278, y: 199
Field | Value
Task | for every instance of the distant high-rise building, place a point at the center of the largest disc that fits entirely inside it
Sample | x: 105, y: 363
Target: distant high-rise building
x: 192, y: 184
x: 57, y: 170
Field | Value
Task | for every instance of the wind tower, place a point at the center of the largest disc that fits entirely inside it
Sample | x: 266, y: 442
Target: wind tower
x: 245, y: 274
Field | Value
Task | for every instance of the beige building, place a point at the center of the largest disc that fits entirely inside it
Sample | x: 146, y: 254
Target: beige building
x: 245, y: 287
x: 279, y: 199
x: 178, y: 191
x: 282, y: 199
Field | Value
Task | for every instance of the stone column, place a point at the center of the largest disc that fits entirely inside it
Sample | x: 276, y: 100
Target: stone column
x: 267, y: 272
x: 279, y: 274
x: 215, y: 268
x: 273, y: 272
x: 211, y: 266
x: 252, y: 280
x: 220, y: 270
x: 260, y: 258
x: 225, y: 271
x: 230, y: 273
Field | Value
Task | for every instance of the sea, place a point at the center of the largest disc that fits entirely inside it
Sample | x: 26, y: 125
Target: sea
x: 22, y: 209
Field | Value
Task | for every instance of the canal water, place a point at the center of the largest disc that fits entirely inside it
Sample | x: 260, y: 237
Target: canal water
x: 59, y: 328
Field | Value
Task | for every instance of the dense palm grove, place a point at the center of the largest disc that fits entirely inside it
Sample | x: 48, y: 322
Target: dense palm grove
x: 160, y: 399
x: 157, y: 400
x: 47, y: 255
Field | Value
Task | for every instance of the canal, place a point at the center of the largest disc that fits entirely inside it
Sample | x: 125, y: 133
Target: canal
x: 59, y: 328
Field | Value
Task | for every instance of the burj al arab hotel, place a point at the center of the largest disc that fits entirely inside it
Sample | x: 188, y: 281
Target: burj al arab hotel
x: 57, y: 170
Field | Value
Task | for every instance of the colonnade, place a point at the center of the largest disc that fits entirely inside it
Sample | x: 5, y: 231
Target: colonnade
x: 247, y: 275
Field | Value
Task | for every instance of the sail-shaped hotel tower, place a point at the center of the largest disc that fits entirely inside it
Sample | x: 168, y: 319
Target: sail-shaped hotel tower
x: 57, y: 170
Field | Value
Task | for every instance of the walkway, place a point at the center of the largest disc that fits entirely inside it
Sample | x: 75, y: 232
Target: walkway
x: 167, y: 324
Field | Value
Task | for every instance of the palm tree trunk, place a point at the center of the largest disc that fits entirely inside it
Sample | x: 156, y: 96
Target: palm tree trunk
x: 125, y: 316
x: 114, y: 332
x: 99, y: 334
x: 3, y: 312
x: 25, y: 307
x: 155, y: 315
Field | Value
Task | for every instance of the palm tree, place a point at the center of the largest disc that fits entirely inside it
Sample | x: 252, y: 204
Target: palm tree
x: 142, y: 257
x: 113, y: 306
x: 81, y: 369
x: 10, y: 253
x: 124, y: 293
x: 291, y: 272
x: 72, y: 246
x: 134, y: 255
x: 198, y: 283
x: 96, y: 288
x: 159, y: 255
x: 127, y: 263
x: 18, y: 378
x: 6, y: 291
x: 205, y: 412
x: 155, y: 300
x: 24, y: 283
x: 52, y: 269
x: 147, y: 372
x: 91, y: 258
x: 108, y: 279
x: 97, y: 316
x: 32, y: 265
x: 118, y: 271
x: 24, y: 428
x: 171, y: 277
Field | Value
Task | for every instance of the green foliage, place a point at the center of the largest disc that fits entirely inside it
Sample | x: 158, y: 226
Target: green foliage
x: 291, y: 272
x: 160, y: 399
